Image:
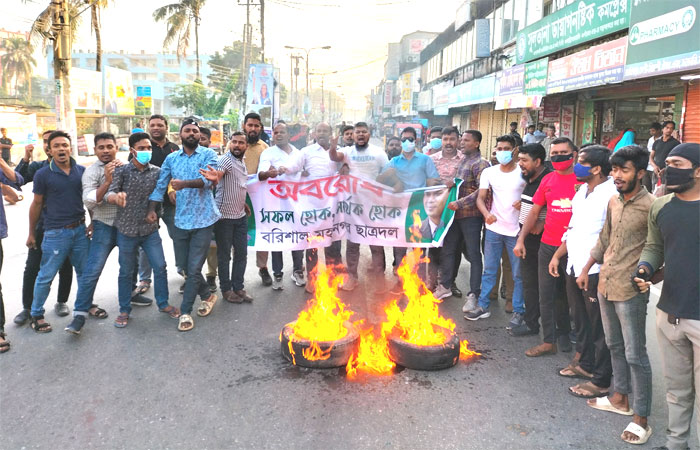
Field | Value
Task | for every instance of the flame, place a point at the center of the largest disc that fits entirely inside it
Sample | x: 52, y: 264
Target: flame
x: 314, y: 352
x: 464, y: 352
x: 372, y: 356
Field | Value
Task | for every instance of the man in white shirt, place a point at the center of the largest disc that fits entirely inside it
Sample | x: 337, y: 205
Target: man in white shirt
x: 273, y: 163
x: 530, y: 137
x: 313, y: 161
x: 589, y: 208
x: 655, y: 132
x: 539, y: 133
x: 501, y: 220
x: 365, y: 161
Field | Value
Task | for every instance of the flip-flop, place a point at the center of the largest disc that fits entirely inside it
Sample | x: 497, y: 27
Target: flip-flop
x: 171, y: 310
x: 603, y: 404
x: 577, y: 372
x: 142, y: 287
x: 593, y: 390
x: 638, y: 431
x: 121, y: 321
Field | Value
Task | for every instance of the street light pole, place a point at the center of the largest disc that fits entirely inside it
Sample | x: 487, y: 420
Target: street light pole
x: 307, y: 50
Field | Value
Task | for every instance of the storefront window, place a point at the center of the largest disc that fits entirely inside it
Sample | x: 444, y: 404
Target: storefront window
x: 509, y: 28
x: 613, y: 117
x: 498, y: 28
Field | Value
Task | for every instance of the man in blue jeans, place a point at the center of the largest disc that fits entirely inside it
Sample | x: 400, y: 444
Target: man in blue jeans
x: 96, y: 181
x: 195, y: 215
x: 502, y: 228
x: 58, y: 191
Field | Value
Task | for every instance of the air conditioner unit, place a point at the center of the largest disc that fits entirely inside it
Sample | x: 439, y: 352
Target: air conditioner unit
x: 464, y: 15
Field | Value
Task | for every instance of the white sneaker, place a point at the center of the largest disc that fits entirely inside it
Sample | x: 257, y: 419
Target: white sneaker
x: 298, y: 278
x: 442, y: 292
x: 277, y: 283
x: 471, y: 303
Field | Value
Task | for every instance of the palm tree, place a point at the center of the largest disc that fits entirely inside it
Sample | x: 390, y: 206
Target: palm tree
x: 179, y: 17
x: 17, y: 63
x: 40, y: 33
x: 95, y: 8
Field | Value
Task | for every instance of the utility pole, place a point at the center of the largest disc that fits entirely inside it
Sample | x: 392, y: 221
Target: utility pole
x: 262, y: 31
x: 60, y: 35
x: 296, y: 59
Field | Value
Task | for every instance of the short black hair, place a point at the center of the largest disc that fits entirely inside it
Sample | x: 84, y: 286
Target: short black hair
x: 410, y: 130
x: 518, y: 140
x: 598, y: 155
x: 532, y: 125
x: 450, y: 130
x: 567, y: 141
x: 552, y: 127
x: 507, y: 138
x: 136, y: 137
x: 346, y: 128
x: 514, y: 123
x: 103, y: 136
x: 237, y: 133
x: 392, y: 138
x: 666, y: 122
x: 58, y: 134
x: 362, y: 125
x: 655, y: 126
x: 435, y: 130
x: 158, y: 116
x: 638, y: 155
x: 45, y: 132
x: 205, y: 131
x: 253, y: 116
x: 536, y: 151
x: 476, y: 134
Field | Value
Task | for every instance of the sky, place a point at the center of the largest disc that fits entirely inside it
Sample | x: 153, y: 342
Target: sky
x: 358, y: 32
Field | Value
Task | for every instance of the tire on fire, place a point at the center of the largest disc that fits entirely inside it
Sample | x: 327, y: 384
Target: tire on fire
x: 340, y: 350
x: 425, y: 357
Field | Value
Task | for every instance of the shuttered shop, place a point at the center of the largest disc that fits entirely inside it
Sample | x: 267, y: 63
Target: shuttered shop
x: 691, y: 124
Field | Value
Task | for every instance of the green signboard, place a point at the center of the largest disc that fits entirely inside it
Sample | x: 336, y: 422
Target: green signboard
x: 572, y: 25
x: 536, y: 77
x: 664, y: 38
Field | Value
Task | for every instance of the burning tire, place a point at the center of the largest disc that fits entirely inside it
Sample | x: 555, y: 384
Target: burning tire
x: 319, y: 355
x: 425, y: 357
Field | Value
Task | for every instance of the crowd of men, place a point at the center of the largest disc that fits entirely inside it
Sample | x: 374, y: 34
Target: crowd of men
x: 572, y: 231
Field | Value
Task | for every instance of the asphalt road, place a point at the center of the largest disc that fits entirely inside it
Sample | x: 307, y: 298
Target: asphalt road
x: 226, y: 385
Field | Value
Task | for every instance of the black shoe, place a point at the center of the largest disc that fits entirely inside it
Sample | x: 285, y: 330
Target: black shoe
x: 523, y: 330
x: 211, y: 281
x: 22, y: 317
x: 456, y: 292
x: 76, y: 324
x: 265, y: 277
x: 140, y: 300
x: 563, y: 343
x: 61, y: 309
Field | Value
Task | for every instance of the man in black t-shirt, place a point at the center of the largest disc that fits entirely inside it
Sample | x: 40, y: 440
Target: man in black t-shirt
x: 661, y: 148
x: 5, y: 145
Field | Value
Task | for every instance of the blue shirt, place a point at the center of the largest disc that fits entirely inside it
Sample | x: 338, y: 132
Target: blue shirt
x: 63, y: 194
x: 414, y: 172
x: 16, y: 185
x: 194, y: 207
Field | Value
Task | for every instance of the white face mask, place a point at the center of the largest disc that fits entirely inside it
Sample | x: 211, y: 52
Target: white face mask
x: 408, y: 146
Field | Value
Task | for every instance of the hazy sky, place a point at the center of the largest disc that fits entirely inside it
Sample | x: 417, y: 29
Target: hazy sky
x: 357, y: 30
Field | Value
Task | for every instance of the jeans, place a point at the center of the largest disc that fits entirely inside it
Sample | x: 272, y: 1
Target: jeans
x: 168, y: 218
x: 58, y: 245
x: 332, y: 254
x: 278, y: 263
x: 104, y: 239
x: 624, y: 323
x: 193, y: 247
x: 588, y: 326
x: 2, y: 302
x: 352, y: 257
x: 231, y: 233
x: 528, y: 273
x: 493, y: 250
x: 467, y: 230
x: 31, y: 270
x: 145, y: 269
x: 554, y: 309
x: 153, y: 248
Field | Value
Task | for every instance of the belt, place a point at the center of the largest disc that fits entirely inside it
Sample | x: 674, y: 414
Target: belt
x: 70, y: 226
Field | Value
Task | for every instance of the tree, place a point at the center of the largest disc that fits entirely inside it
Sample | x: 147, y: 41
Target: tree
x: 17, y: 64
x: 179, y: 18
x: 95, y: 7
x: 196, y: 100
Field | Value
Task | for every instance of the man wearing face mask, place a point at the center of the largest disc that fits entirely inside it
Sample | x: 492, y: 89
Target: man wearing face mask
x: 588, y: 211
x: 673, y: 240
x: 555, y: 192
x: 506, y: 185
x: 434, y: 144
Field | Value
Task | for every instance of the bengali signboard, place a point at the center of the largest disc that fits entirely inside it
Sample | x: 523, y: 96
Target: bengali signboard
x: 295, y: 215
x: 86, y: 89
x: 595, y: 66
x: 260, y: 91
x: 664, y: 37
x: 510, y: 81
x: 441, y: 99
x: 551, y: 109
x: 575, y: 24
x: 119, y: 92
x: 481, y: 90
x: 406, y: 105
x: 536, y: 77
x: 566, y: 126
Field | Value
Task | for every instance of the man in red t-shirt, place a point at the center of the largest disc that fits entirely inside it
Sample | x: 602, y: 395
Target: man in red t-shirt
x: 556, y: 191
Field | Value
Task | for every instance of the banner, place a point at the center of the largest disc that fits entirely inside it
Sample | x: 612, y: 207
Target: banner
x: 86, y: 89
x: 536, y: 77
x: 295, y: 215
x: 144, y: 99
x: 510, y: 81
x: 260, y: 91
x: 119, y: 92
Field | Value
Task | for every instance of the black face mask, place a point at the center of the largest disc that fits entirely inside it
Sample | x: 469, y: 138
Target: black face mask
x: 683, y: 178
x: 562, y: 158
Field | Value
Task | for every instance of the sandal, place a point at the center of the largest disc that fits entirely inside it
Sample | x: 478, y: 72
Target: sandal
x: 541, y: 350
x: 603, y: 404
x: 172, y: 311
x: 206, y: 306
x: 40, y: 327
x: 185, y: 319
x: 574, y: 371
x: 142, y: 287
x: 98, y: 312
x: 122, y: 320
x: 5, y: 344
x: 590, y: 390
x: 637, y: 430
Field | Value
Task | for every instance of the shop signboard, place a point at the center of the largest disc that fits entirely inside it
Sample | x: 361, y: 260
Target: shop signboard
x: 566, y: 126
x: 664, y: 37
x: 482, y: 33
x: 144, y: 99
x: 406, y: 94
x: 441, y: 99
x: 595, y: 66
x: 510, y: 81
x: 424, y: 99
x: 481, y: 90
x: 388, y: 93
x: 551, y: 109
x: 575, y: 24
x: 536, y: 77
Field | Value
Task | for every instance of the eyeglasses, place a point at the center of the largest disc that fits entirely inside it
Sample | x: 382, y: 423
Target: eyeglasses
x: 409, y: 139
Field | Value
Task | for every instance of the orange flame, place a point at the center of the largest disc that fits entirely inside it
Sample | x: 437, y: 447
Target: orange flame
x: 372, y: 356
x: 464, y: 352
x: 314, y: 352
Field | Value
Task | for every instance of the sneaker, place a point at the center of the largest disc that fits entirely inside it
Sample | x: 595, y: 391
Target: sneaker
x: 22, y: 317
x: 244, y: 296
x: 442, y: 292
x: 277, y: 283
x: 563, y: 343
x: 516, y: 320
x: 265, y: 276
x: 350, y: 283
x: 523, y: 330
x: 478, y: 313
x: 508, y: 306
x: 76, y: 324
x: 61, y: 309
x: 181, y: 289
x: 211, y: 281
x: 471, y: 303
x: 140, y: 300
x: 298, y: 278
x: 456, y: 292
